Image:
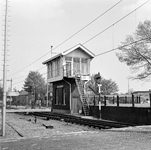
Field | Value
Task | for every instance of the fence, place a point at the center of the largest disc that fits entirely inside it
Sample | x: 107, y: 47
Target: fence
x: 117, y: 100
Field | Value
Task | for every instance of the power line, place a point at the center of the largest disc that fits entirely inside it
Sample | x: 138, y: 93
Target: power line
x: 24, y: 80
x: 69, y: 37
x: 92, y: 37
x: 105, y: 52
x: 121, y: 47
x: 115, y: 23
x: 25, y: 76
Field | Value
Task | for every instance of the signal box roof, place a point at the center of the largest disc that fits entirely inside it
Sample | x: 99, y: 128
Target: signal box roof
x: 70, y: 50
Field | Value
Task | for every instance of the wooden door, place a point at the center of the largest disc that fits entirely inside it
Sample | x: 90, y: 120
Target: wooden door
x: 60, y: 96
x: 75, y: 105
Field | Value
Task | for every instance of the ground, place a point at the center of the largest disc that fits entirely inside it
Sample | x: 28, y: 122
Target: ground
x: 88, y: 140
x: 22, y: 133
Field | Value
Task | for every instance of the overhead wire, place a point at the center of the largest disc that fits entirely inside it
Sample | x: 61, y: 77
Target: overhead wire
x: 25, y: 76
x: 121, y: 46
x: 115, y: 23
x: 105, y: 52
x: 69, y: 37
x: 107, y: 29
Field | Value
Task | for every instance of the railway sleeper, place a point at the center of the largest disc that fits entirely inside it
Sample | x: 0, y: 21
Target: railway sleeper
x: 81, y: 121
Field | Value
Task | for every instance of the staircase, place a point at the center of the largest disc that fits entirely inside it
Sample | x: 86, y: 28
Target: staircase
x: 82, y: 95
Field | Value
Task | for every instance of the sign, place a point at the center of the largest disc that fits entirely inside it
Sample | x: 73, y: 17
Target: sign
x: 85, y: 77
x: 60, y: 86
x: 13, y: 94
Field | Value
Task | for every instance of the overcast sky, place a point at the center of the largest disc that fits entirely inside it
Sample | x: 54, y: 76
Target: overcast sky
x: 36, y: 25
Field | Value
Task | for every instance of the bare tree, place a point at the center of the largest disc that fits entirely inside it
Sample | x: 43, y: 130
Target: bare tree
x: 138, y: 54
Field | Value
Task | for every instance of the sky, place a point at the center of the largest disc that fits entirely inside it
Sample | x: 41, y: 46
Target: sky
x: 36, y: 25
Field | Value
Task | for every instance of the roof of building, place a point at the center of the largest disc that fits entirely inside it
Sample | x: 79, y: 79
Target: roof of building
x: 23, y: 93
x: 70, y: 50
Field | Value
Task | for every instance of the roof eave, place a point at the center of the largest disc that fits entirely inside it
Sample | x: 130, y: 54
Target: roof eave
x: 79, y: 46
x: 52, y: 58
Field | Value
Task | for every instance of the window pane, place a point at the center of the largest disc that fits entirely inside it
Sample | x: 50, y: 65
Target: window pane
x: 68, y: 58
x: 76, y: 65
x: 84, y: 65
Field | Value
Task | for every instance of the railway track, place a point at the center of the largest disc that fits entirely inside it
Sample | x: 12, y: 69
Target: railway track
x: 101, y: 124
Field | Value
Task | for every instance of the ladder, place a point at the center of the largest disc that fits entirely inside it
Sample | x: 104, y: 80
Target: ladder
x: 82, y: 95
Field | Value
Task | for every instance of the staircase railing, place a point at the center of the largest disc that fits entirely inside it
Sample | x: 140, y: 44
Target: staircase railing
x: 82, y: 95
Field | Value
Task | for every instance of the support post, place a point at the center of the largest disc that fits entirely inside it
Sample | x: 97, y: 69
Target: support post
x: 47, y: 94
x: 99, y: 85
x: 139, y: 99
x: 117, y: 101
x: 99, y: 106
x: 132, y: 100
x: 94, y: 101
x: 104, y: 100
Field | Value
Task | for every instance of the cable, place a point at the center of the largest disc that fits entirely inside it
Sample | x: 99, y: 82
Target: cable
x: 25, y: 76
x: 121, y: 46
x: 24, y: 80
x: 92, y: 37
x: 69, y: 37
x: 103, y: 53
x: 115, y: 22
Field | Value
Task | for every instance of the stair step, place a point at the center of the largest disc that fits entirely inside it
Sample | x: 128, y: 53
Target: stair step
x: 82, y: 95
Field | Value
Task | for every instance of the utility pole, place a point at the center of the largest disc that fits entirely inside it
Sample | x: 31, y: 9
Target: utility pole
x: 47, y: 81
x: 4, y: 75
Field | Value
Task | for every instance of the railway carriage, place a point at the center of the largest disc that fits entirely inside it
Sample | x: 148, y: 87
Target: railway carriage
x: 68, y: 72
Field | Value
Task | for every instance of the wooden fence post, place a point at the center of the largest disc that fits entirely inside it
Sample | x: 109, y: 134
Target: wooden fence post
x: 104, y: 100
x: 117, y: 101
x: 94, y: 101
x: 132, y: 100
x: 139, y: 99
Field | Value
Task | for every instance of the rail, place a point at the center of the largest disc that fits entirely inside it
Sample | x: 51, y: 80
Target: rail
x: 100, y: 124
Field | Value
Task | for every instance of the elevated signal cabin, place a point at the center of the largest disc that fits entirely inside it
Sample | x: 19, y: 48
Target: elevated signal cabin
x: 67, y: 72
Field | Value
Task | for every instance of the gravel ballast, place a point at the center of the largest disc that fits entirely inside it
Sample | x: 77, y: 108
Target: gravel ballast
x: 20, y: 125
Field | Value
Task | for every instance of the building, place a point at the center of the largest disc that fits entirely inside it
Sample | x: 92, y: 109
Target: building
x: 68, y: 71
